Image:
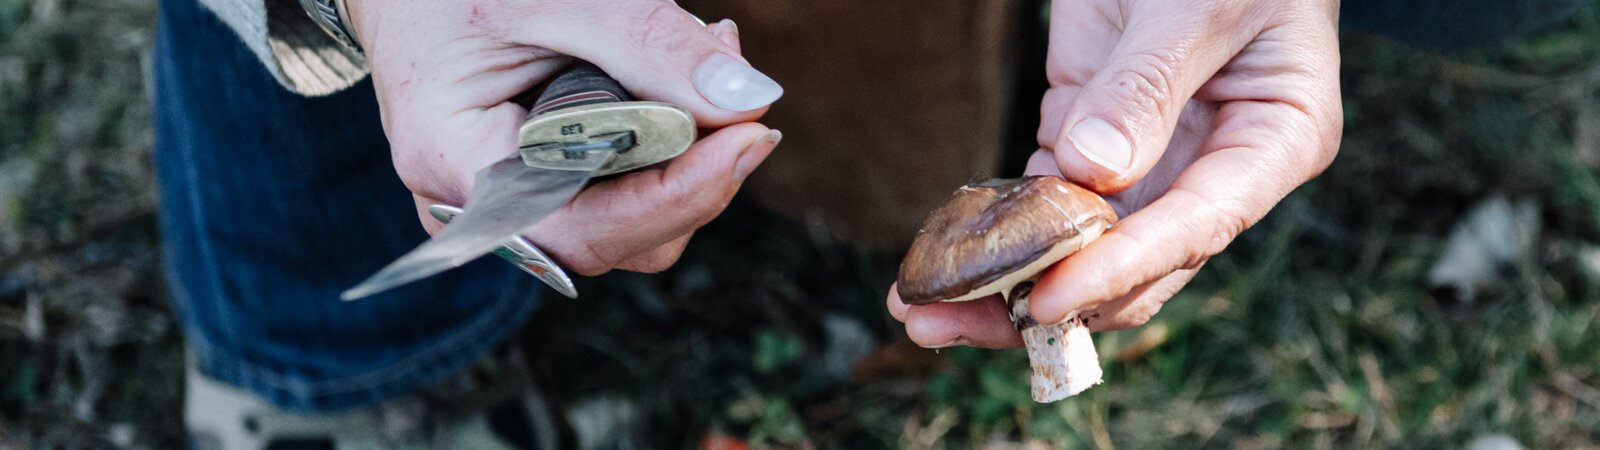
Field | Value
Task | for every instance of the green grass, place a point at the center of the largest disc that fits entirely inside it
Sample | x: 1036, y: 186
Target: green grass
x: 1315, y: 329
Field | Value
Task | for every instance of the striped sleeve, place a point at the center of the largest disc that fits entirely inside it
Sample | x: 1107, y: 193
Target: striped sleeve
x: 303, y: 58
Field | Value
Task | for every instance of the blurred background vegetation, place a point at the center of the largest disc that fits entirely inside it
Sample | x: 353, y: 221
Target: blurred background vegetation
x: 1438, y: 285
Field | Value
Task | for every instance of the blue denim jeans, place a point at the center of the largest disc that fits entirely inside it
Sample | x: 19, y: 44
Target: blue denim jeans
x: 271, y: 204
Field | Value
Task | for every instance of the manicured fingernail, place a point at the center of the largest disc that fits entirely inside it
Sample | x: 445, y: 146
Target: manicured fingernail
x: 733, y: 85
x: 1103, y: 144
x: 751, y: 158
x: 958, y: 341
x: 727, y: 32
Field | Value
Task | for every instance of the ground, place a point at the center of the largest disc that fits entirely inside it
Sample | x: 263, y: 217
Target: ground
x: 1318, y: 328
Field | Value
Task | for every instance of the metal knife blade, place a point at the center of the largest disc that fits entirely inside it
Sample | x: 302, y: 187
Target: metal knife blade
x: 522, y: 253
x: 508, y: 199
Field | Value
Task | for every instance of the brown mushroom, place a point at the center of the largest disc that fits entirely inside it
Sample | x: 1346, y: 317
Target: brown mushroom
x: 995, y: 237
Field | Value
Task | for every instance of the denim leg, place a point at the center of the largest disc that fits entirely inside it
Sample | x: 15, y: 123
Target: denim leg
x: 271, y: 204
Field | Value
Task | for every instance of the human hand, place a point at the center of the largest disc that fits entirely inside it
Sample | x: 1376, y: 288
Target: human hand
x: 1194, y: 118
x: 446, y: 73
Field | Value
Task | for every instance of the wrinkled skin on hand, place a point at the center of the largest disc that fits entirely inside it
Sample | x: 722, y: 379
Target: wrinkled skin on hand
x: 445, y: 73
x: 1193, y: 118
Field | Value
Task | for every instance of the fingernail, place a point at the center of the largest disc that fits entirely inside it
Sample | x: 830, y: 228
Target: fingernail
x: 733, y: 85
x: 727, y: 32
x: 958, y: 341
x: 1103, y: 144
x: 751, y: 158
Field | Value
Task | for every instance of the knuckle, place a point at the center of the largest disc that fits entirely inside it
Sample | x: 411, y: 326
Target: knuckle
x: 594, y: 259
x: 1331, y: 133
x: 707, y: 210
x: 430, y: 184
x: 1147, y: 79
x: 1311, y: 133
x: 1220, y: 222
x: 1217, y: 16
x: 1194, y: 262
x: 654, y: 24
x: 654, y: 264
x: 658, y: 260
x: 1306, y: 142
x: 1144, y: 310
x: 1140, y: 312
x: 588, y: 267
x: 693, y: 209
x: 699, y: 207
x: 1229, y: 223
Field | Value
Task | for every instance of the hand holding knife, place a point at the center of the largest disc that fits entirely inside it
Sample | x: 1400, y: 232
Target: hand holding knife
x: 584, y: 125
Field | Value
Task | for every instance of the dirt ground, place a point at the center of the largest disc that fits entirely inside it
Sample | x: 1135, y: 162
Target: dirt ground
x: 1439, y: 284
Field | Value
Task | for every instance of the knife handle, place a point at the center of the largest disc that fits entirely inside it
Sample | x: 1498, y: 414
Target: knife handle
x: 582, y: 84
x: 585, y: 114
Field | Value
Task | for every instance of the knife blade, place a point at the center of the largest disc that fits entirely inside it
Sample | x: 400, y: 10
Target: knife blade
x: 508, y: 199
x: 523, y: 254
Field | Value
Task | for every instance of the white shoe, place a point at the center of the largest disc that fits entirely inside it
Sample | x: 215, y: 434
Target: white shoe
x: 219, y: 416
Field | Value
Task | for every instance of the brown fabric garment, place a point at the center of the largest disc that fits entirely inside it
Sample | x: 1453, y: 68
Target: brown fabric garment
x: 889, y: 105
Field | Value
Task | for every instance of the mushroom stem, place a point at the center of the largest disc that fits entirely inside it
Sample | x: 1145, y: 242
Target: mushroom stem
x: 1062, y: 355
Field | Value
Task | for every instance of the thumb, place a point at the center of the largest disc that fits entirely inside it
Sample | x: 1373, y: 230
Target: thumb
x: 1122, y: 118
x: 660, y: 52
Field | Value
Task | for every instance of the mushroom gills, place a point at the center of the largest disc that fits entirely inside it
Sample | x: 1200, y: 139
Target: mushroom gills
x: 1062, y: 355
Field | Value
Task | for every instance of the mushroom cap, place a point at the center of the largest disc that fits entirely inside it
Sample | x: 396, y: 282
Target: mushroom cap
x: 994, y: 234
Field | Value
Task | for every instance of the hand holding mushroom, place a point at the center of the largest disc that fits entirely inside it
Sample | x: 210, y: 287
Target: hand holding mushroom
x: 1193, y: 118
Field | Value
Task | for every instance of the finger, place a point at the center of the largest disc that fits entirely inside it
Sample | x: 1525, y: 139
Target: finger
x: 1194, y: 125
x: 1121, y: 118
x: 437, y: 156
x: 660, y: 259
x: 653, y: 261
x: 897, y: 308
x: 1042, y: 162
x: 1259, y: 152
x: 660, y: 52
x: 1082, y: 35
x: 727, y: 32
x: 1138, y: 307
x: 612, y: 221
x: 984, y: 323
x: 429, y: 223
